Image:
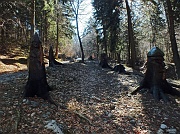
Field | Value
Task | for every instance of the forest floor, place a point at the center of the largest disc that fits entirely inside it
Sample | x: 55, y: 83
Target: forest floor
x: 91, y: 100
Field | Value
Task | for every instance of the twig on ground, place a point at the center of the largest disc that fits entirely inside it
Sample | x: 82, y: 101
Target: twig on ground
x: 83, y: 117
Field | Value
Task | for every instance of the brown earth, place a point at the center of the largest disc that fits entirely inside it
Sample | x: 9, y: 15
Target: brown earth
x: 92, y: 101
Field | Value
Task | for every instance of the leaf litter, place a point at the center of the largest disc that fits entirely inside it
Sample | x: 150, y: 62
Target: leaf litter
x: 92, y: 100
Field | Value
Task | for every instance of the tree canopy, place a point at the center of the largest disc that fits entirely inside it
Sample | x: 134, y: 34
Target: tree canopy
x: 17, y: 20
x: 125, y: 30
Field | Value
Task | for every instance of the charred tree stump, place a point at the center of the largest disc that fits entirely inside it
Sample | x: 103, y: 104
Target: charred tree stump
x: 104, y: 61
x: 155, y: 76
x: 52, y: 61
x: 90, y: 58
x: 119, y: 68
x: 37, y: 83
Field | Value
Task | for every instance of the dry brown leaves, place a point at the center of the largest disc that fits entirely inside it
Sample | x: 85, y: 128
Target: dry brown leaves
x: 95, y: 100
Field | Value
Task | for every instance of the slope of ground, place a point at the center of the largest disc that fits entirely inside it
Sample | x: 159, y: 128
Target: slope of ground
x: 92, y: 101
x: 12, y: 64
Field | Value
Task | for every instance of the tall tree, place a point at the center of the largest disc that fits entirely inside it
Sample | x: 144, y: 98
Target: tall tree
x: 107, y: 15
x: 131, y: 36
x: 114, y: 25
x: 89, y: 38
x: 101, y: 10
x: 76, y: 9
x: 157, y: 24
x: 171, y: 27
x: 57, y: 27
x: 33, y: 14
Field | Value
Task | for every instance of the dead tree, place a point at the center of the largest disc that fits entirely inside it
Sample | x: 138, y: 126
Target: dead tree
x: 52, y: 61
x: 37, y: 83
x: 155, y: 76
x: 104, y: 61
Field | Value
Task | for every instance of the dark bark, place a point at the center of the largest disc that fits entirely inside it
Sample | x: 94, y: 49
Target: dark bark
x: 119, y: 68
x: 90, y: 58
x: 118, y: 58
x: 37, y: 83
x: 2, y: 34
x: 174, y: 47
x: 57, y: 32
x: 46, y: 28
x: 79, y: 38
x: 97, y: 43
x: 155, y: 77
x: 104, y: 61
x: 105, y: 38
x: 76, y: 13
x: 131, y: 37
x: 33, y: 17
x: 52, y: 61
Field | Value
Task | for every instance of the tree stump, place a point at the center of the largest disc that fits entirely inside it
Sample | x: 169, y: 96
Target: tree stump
x: 90, y: 58
x: 104, y: 61
x: 155, y: 76
x: 119, y: 68
x: 37, y: 83
x: 52, y: 61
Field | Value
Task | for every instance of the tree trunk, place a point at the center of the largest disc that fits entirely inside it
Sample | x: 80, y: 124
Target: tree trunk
x: 176, y: 57
x: 118, y: 57
x: 155, y: 76
x: 98, y: 44
x: 97, y: 55
x: 131, y: 37
x: 57, y: 42
x: 32, y: 17
x: 37, y: 83
x: 80, y: 42
x: 3, y: 41
x: 104, y: 39
x: 104, y: 61
x: 2, y: 35
x: 25, y: 34
x: 57, y: 32
x: 52, y: 61
x: 45, y: 29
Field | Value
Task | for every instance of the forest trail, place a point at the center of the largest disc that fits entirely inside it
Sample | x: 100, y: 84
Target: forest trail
x: 94, y: 100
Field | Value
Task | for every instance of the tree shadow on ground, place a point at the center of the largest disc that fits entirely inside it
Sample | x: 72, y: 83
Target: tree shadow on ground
x: 99, y: 95
x: 14, y: 61
x: 159, y: 112
x: 152, y: 114
x: 155, y: 113
x: 102, y: 98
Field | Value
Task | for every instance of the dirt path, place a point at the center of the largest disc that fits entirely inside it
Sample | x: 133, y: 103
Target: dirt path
x: 95, y: 101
